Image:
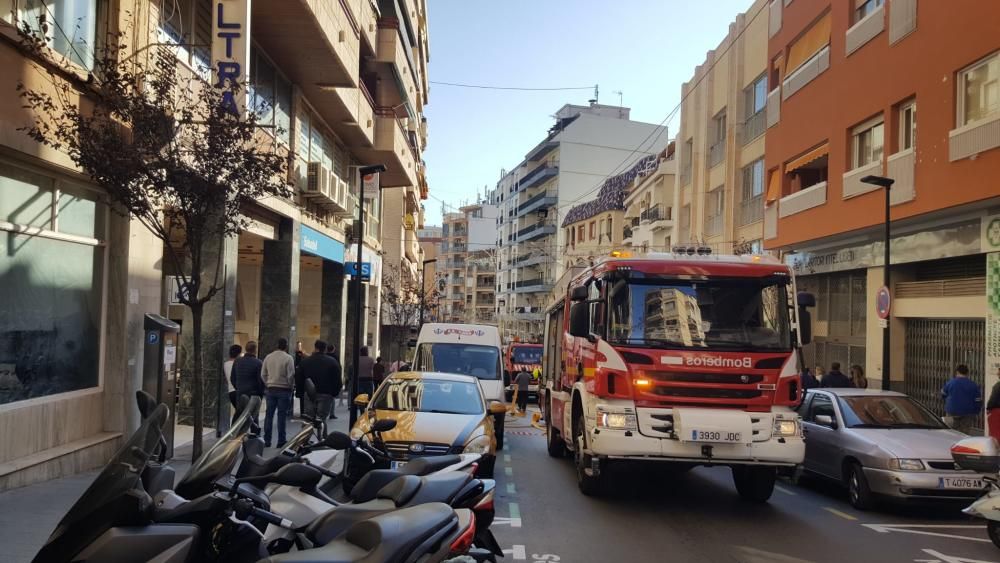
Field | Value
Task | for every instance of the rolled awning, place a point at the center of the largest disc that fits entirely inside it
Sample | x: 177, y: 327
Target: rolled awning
x: 773, y: 187
x: 809, y: 43
x: 818, y: 152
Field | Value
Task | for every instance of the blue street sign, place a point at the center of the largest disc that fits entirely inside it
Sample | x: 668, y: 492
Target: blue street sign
x: 351, y: 269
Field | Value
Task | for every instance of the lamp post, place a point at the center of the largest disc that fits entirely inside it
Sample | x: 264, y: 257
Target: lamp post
x: 356, y: 282
x: 423, y: 290
x: 886, y: 185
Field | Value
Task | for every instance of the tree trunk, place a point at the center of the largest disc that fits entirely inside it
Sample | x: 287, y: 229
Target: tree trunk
x: 197, y: 395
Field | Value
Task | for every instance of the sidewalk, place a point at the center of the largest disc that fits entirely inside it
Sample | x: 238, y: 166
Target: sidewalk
x: 33, y: 511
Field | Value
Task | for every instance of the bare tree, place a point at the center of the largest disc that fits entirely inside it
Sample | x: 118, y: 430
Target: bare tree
x: 402, y: 298
x: 153, y: 135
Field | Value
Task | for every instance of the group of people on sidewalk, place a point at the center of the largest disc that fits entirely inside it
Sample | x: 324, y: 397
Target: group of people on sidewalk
x: 280, y: 377
x: 834, y: 378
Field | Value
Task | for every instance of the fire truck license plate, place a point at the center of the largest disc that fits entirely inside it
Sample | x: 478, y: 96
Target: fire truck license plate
x: 716, y: 436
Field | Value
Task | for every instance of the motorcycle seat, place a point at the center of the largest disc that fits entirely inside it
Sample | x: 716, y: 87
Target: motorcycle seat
x: 368, y: 486
x: 254, y: 464
x: 429, y: 464
x: 401, y: 490
x: 389, y: 537
x: 439, y: 487
x: 336, y: 521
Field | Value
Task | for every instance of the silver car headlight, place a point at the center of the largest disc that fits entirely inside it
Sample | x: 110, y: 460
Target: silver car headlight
x: 479, y: 445
x: 905, y: 464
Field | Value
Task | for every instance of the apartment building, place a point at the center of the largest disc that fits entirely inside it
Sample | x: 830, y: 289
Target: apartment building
x: 825, y: 138
x: 719, y: 199
x: 340, y: 85
x: 430, y: 238
x: 649, y: 207
x: 467, y: 265
x: 585, y: 146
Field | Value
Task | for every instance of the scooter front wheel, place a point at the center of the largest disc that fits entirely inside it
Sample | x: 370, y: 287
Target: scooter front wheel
x: 993, y: 528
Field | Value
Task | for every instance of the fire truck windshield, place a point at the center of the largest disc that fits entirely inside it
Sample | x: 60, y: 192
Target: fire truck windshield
x: 743, y: 314
x: 526, y: 354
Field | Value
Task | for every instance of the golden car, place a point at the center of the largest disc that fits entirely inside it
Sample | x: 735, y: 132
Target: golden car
x: 435, y: 414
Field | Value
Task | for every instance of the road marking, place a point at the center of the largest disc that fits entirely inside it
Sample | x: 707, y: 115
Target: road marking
x: 784, y: 490
x: 506, y: 458
x: 509, y: 471
x: 515, y: 511
x: 942, y: 558
x: 511, y: 489
x: 517, y: 553
x: 906, y: 529
x: 836, y: 512
x: 512, y: 522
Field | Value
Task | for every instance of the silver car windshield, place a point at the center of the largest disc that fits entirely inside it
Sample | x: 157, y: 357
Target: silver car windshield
x: 883, y: 411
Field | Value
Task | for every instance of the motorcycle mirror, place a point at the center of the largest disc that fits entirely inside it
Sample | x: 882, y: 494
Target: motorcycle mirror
x: 338, y: 441
x: 297, y: 475
x: 496, y: 407
x: 383, y: 425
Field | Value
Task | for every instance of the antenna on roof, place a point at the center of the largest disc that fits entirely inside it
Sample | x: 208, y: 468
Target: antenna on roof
x: 597, y: 95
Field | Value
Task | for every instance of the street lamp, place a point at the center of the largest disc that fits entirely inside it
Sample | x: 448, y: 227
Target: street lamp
x: 356, y: 282
x: 423, y: 289
x: 886, y: 184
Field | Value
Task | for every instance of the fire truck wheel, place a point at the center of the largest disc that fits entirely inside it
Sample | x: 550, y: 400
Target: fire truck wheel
x: 754, y: 483
x: 590, y: 485
x: 498, y: 424
x: 554, y: 441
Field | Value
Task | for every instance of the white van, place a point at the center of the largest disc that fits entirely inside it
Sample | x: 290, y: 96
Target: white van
x: 466, y: 349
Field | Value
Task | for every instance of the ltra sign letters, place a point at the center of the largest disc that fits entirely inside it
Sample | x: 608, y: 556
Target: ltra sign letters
x: 231, y: 52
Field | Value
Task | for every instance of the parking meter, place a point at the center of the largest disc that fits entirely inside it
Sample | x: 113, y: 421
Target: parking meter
x: 159, y: 367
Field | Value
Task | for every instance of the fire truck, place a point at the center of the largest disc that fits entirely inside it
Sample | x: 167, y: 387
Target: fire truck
x: 685, y: 358
x: 521, y: 356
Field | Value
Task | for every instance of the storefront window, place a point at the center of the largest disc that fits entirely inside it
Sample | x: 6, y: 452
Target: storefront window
x: 50, y: 306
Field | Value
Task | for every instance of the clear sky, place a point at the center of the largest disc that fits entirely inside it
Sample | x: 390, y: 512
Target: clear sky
x: 644, y: 48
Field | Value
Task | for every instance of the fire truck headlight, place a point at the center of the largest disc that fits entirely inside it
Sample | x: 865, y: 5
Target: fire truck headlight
x: 786, y: 427
x: 616, y: 420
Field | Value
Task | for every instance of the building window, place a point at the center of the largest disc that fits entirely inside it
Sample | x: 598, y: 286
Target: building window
x: 270, y: 96
x: 907, y: 126
x: 752, y: 201
x: 755, y: 97
x: 593, y: 230
x: 687, y: 157
x: 979, y: 91
x: 866, y: 144
x: 715, y: 202
x: 71, y: 25
x: 865, y: 7
x: 808, y: 169
x: 50, y: 332
x: 581, y: 234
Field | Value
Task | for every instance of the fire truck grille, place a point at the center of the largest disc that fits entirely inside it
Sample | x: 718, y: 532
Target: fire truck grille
x: 707, y: 393
x: 661, y: 425
x: 725, y: 378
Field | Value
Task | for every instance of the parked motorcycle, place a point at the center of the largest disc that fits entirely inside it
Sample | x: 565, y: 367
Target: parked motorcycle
x: 982, y: 454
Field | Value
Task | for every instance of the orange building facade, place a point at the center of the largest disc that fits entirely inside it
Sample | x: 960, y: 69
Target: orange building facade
x: 909, y: 90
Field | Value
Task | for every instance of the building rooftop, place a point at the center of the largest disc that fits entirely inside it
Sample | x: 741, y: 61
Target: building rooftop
x: 611, y: 196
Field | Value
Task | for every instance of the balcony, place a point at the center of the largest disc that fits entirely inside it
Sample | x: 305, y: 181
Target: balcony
x: 853, y: 186
x: 392, y: 147
x: 865, y: 30
x: 716, y: 153
x: 394, y: 52
x: 540, y: 201
x: 627, y: 235
x: 411, y: 246
x: 367, y: 19
x: 713, y: 225
x: 806, y: 73
x: 532, y: 260
x: 773, y: 107
x: 804, y: 199
x: 751, y: 210
x: 536, y: 285
x: 537, y: 176
x: 901, y: 167
x: 754, y: 126
x: 771, y: 222
x: 656, y: 217
x: 535, y: 231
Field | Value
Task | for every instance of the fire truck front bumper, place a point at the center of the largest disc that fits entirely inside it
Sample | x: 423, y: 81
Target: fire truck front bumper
x: 704, y: 436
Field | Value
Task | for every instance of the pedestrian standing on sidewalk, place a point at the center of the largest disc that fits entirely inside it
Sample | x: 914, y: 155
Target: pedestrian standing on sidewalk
x: 858, y: 378
x: 331, y: 351
x: 246, y: 378
x: 809, y: 380
x: 324, y: 373
x: 378, y: 372
x: 835, y: 378
x: 279, y: 376
x: 227, y: 371
x: 523, y: 380
x: 962, y: 400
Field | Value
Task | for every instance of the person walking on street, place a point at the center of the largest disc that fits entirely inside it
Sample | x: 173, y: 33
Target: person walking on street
x: 378, y: 372
x: 246, y: 378
x: 835, y: 378
x: 523, y: 380
x: 227, y: 371
x: 279, y: 377
x: 858, y: 378
x: 324, y: 373
x: 993, y: 410
x: 809, y: 380
x: 331, y: 351
x: 365, y: 367
x: 962, y: 400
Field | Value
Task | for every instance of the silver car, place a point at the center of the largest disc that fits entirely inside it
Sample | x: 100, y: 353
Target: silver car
x: 882, y: 444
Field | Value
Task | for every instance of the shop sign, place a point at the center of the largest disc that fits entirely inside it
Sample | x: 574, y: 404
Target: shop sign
x: 231, y: 52
x: 316, y: 243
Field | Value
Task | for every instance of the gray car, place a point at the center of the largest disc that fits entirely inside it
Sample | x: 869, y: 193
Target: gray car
x: 882, y: 444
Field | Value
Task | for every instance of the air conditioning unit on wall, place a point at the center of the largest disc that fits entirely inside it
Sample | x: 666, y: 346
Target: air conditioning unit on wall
x: 317, y: 181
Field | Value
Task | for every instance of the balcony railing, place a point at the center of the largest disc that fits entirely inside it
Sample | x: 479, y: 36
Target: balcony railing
x: 535, y: 231
x: 755, y: 125
x: 540, y: 201
x: 539, y: 174
x: 686, y: 174
x: 751, y: 210
x: 651, y: 214
x: 716, y: 153
x: 713, y: 225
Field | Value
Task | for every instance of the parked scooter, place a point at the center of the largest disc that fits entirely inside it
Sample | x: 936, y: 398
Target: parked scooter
x: 982, y: 455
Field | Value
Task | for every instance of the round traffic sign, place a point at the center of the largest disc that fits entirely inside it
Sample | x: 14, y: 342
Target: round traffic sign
x: 883, y: 302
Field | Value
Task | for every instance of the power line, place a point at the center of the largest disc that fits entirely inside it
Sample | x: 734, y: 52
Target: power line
x: 519, y: 88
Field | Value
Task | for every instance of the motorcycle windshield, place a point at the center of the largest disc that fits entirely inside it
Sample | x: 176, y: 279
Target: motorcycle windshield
x: 220, y: 458
x: 101, y: 505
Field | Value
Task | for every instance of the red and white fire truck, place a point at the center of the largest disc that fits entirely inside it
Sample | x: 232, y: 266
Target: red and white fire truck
x: 687, y: 358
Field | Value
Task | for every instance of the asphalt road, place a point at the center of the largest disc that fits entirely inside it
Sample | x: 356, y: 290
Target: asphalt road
x: 648, y: 515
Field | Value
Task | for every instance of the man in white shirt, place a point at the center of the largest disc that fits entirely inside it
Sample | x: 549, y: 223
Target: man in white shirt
x: 278, y: 373
x: 227, y: 371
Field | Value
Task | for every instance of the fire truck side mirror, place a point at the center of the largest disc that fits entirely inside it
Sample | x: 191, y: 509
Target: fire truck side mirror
x: 579, y: 319
x: 578, y: 293
x: 805, y: 326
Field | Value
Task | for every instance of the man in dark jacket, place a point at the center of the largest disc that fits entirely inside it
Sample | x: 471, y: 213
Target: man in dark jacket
x: 322, y: 371
x: 835, y: 378
x: 246, y: 377
x: 331, y: 351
